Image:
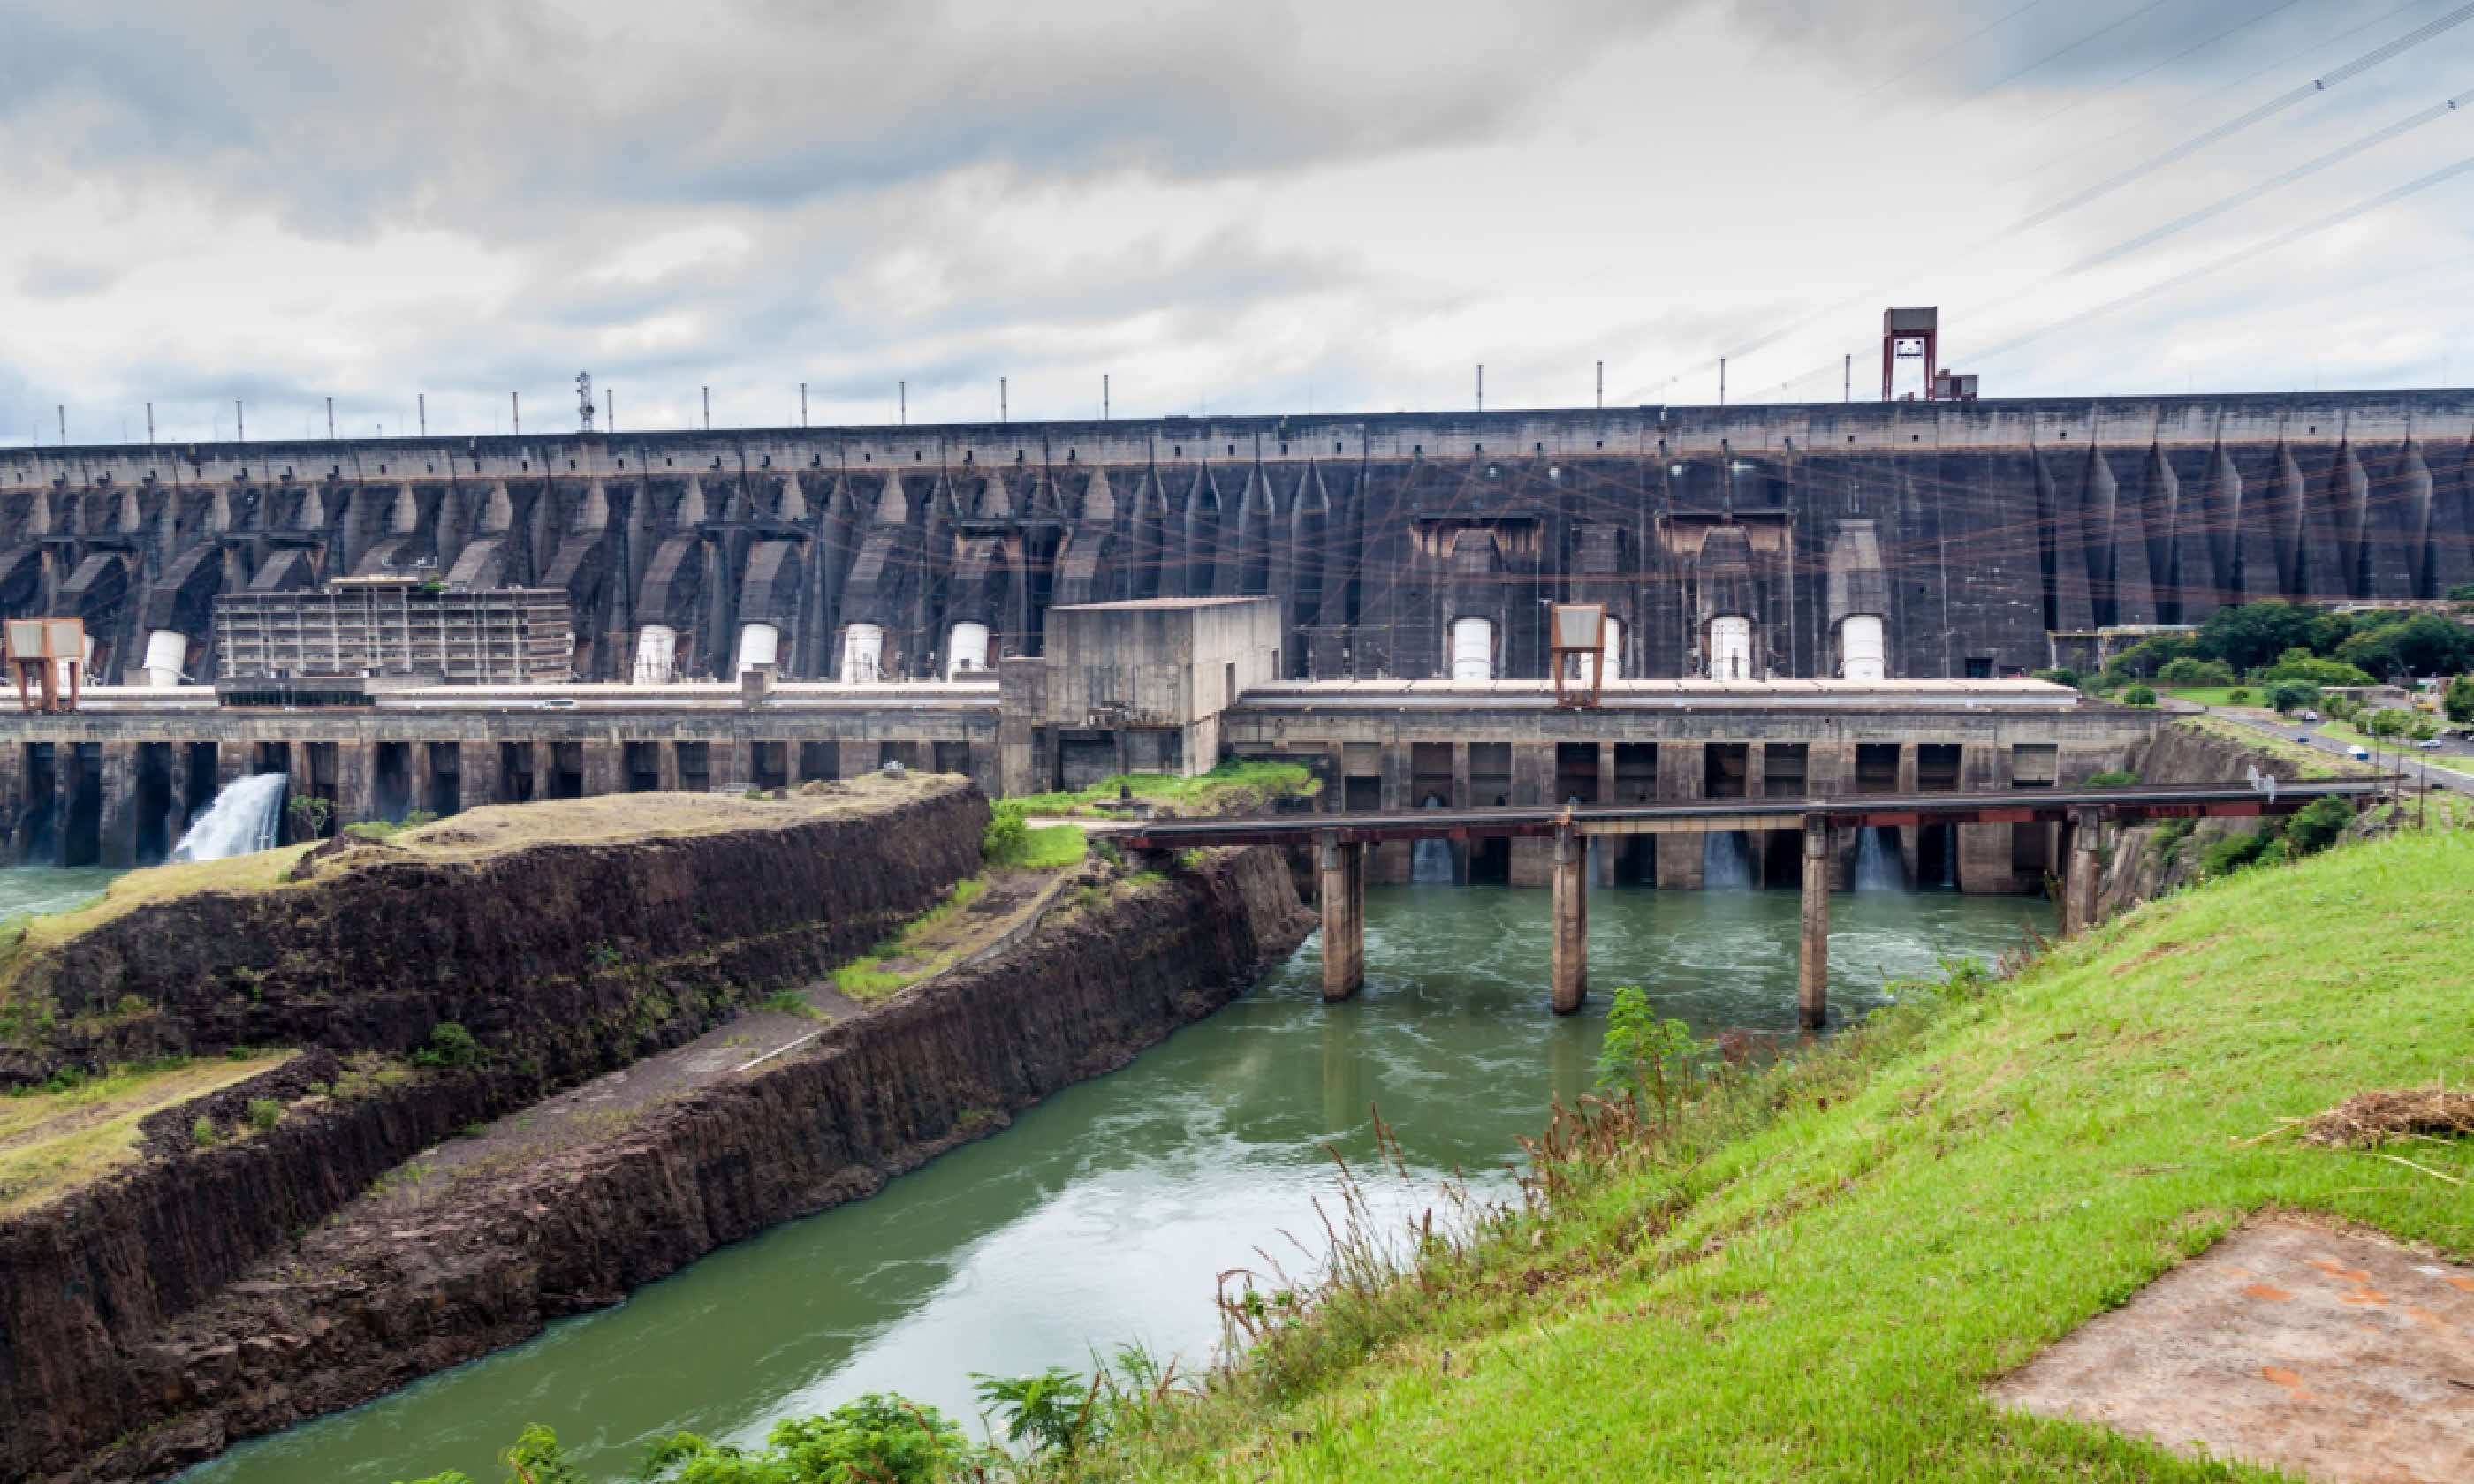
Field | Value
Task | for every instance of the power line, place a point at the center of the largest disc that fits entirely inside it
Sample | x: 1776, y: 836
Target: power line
x: 2266, y: 111
x: 2282, y: 239
x: 2371, y: 140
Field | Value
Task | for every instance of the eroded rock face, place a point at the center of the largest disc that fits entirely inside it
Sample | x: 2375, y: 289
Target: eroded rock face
x: 2135, y: 871
x: 562, y: 960
x: 559, y: 948
x: 343, y: 1313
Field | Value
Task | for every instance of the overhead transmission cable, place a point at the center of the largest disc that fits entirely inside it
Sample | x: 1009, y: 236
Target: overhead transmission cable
x: 2241, y: 197
x: 2243, y: 81
x: 2242, y: 255
x: 2385, y: 52
x: 2266, y: 111
x: 2078, y: 103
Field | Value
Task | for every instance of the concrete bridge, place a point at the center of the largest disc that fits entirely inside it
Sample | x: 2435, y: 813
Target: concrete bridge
x: 1341, y: 843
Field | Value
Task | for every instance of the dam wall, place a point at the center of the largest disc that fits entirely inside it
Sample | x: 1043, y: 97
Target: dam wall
x: 1966, y: 539
x: 129, y: 1384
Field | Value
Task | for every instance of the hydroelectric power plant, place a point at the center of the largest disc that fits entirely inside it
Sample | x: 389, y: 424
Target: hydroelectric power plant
x: 692, y: 658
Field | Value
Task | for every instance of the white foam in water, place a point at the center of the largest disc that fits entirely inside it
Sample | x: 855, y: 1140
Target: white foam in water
x: 245, y: 815
x: 1431, y: 860
x: 1878, y: 868
x: 1724, y: 864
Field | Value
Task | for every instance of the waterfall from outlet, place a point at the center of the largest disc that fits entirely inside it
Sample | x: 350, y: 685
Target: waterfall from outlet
x: 1432, y: 861
x: 1725, y: 867
x: 1950, y: 856
x: 245, y: 815
x: 1877, y: 867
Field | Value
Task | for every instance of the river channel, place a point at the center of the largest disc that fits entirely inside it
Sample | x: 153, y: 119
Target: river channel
x: 1103, y: 1216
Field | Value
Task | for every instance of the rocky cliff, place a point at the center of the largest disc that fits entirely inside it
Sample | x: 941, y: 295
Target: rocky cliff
x: 340, y: 1314
x: 540, y: 928
x: 561, y: 959
x: 2145, y: 861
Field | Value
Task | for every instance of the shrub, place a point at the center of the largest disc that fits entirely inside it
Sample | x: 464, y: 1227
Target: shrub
x: 2238, y: 696
x: 2317, y: 826
x: 2114, y: 779
x: 2190, y: 670
x: 2139, y: 695
x: 1654, y: 1060
x: 2458, y: 699
x: 2388, y: 722
x: 2291, y: 696
x: 2059, y: 674
x: 879, y: 1439
x: 202, y: 1132
x: 2168, y: 840
x: 1005, y: 834
x: 264, y: 1112
x: 2229, y: 853
x: 449, y: 1045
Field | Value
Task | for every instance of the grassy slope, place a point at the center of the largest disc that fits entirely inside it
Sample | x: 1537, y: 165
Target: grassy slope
x: 54, y: 1142
x: 1230, y: 788
x: 1850, y: 1279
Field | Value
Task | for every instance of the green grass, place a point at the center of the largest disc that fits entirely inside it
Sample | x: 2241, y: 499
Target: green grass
x: 1231, y: 788
x: 1051, y: 847
x: 1826, y: 1298
x: 2216, y: 695
x: 54, y: 1140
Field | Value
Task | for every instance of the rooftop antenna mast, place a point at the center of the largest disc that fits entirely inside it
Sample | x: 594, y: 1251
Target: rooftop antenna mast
x: 584, y: 398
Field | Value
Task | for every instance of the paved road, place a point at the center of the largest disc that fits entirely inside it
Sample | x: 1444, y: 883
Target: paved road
x: 2295, y: 731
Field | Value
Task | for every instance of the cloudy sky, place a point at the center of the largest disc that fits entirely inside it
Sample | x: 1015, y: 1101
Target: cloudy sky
x: 1226, y: 207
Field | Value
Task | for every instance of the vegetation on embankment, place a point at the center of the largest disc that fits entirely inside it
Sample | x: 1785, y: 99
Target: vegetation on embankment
x: 74, y: 1129
x: 575, y: 932
x: 1233, y: 787
x: 1816, y: 1273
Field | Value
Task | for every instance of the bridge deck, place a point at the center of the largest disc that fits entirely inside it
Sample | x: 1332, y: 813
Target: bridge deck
x: 2127, y: 803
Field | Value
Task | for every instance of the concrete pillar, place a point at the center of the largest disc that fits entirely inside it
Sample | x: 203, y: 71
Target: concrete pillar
x: 1533, y: 782
x: 177, y: 779
x: 666, y: 756
x: 1394, y: 862
x: 117, y: 839
x: 544, y: 768
x: 1341, y: 884
x: 1571, y: 957
x: 605, y: 767
x: 1679, y: 853
x: 1603, y: 852
x: 1022, y: 694
x: 356, y: 772
x: 2079, y: 884
x: 1812, y: 958
x: 1984, y: 849
x: 1461, y: 800
x: 479, y: 775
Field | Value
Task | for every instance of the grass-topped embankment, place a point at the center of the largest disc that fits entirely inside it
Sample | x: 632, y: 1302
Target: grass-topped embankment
x: 1231, y: 788
x: 56, y: 1139
x: 934, y: 941
x: 1921, y: 1208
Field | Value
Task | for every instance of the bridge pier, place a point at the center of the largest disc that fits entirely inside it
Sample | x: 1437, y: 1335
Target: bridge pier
x: 1812, y: 958
x: 1571, y: 958
x: 1341, y: 884
x: 2079, y: 882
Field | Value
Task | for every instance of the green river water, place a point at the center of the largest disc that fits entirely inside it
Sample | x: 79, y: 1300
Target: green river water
x: 1104, y: 1214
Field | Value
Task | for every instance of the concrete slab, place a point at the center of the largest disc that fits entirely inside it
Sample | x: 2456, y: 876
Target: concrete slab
x: 2341, y: 1355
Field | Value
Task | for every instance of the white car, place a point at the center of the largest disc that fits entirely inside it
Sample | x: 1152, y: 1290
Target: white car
x: 2359, y: 754
x: 2431, y: 745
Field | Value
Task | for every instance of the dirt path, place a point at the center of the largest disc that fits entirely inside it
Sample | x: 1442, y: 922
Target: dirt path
x: 1010, y: 907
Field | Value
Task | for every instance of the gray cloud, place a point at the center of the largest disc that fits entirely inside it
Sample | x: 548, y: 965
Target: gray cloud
x: 479, y: 112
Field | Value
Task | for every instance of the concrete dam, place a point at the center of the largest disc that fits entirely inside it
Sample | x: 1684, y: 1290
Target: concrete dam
x: 1866, y: 542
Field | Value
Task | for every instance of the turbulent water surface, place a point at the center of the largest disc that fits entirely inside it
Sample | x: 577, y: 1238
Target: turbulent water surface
x: 25, y: 889
x: 1104, y: 1214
